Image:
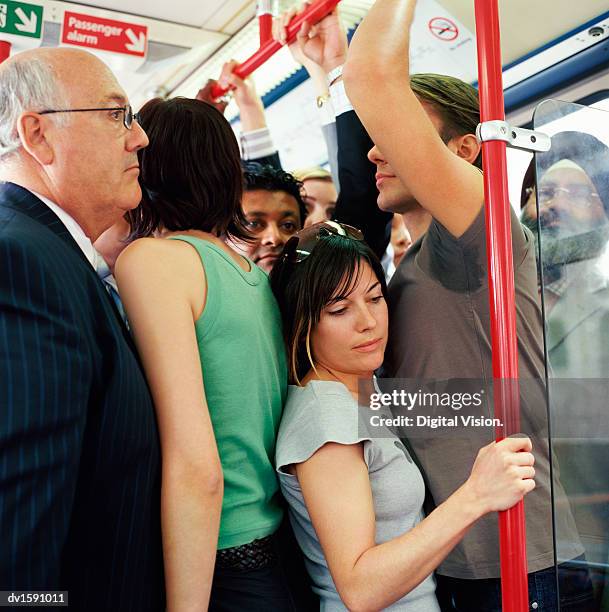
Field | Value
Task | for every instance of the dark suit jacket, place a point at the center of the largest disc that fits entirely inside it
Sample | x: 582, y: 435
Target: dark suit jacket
x: 79, y: 447
x: 356, y: 203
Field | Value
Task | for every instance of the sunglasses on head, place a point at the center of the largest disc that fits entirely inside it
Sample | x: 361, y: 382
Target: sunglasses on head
x: 301, y: 245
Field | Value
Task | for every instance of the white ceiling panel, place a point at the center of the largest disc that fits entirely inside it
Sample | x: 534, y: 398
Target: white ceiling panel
x: 526, y: 25
x: 188, y: 12
x: 231, y: 15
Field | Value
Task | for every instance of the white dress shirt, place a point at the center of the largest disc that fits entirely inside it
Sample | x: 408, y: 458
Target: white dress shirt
x: 81, y: 239
x: 86, y: 246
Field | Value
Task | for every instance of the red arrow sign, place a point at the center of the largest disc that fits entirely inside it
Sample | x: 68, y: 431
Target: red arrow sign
x: 104, y: 34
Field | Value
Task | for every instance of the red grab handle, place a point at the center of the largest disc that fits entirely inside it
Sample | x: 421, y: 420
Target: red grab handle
x: 313, y: 13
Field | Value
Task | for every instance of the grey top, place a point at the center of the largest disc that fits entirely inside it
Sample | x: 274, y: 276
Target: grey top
x: 325, y: 412
x: 439, y: 328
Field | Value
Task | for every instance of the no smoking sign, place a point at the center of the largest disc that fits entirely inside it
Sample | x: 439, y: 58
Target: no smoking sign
x: 443, y: 28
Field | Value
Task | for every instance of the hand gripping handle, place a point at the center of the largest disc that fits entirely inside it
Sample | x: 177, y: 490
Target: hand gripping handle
x: 313, y: 14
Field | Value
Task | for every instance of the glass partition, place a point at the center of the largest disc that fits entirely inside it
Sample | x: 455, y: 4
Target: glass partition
x: 565, y: 201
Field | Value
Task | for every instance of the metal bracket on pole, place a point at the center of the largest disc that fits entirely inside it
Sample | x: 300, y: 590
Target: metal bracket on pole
x: 517, y: 138
x: 266, y: 7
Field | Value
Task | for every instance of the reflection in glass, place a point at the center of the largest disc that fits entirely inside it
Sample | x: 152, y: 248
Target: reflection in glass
x: 565, y: 200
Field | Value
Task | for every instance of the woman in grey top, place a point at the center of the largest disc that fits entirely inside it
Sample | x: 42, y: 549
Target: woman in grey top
x: 356, y: 499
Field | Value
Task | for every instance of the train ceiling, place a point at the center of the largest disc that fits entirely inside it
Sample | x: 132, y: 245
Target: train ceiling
x: 188, y: 40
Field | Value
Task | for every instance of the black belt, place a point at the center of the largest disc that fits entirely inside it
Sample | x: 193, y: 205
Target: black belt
x: 251, y: 556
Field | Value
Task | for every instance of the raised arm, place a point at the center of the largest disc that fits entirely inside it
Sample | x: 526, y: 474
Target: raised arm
x: 251, y: 109
x: 323, y: 48
x: 256, y: 141
x: 162, y: 285
x: 318, y: 76
x: 357, y: 200
x: 370, y: 576
x: 319, y: 48
x: 440, y: 177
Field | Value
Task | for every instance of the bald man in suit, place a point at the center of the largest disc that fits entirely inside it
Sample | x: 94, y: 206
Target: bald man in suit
x: 79, y: 448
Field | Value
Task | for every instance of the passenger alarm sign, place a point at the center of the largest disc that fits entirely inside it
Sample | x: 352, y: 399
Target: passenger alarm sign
x: 104, y: 34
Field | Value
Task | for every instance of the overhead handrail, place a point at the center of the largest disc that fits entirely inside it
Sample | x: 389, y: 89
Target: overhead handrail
x: 313, y: 14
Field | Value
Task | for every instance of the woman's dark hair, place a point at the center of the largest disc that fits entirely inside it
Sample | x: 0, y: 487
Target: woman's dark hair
x: 304, y: 289
x: 191, y: 173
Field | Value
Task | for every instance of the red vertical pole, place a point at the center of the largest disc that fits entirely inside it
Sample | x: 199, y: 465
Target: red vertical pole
x: 512, y: 533
x: 265, y: 20
x: 265, y: 25
x: 5, y: 50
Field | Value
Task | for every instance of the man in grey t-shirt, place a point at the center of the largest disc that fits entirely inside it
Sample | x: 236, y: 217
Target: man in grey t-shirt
x: 440, y: 330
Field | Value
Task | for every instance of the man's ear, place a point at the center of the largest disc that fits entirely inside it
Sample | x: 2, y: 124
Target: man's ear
x: 467, y: 147
x: 32, y: 132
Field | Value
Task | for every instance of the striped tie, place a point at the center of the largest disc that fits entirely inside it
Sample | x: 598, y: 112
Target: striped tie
x: 104, y: 273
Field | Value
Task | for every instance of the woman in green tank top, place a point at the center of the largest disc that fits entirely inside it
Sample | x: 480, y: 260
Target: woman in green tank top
x: 209, y: 334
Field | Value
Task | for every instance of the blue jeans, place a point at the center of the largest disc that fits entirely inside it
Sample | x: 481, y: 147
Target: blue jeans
x: 576, y: 593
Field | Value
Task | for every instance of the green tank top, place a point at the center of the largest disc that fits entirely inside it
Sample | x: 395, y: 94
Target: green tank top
x: 245, y: 377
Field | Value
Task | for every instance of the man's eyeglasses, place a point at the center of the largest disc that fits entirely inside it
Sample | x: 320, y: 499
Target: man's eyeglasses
x: 581, y: 194
x: 301, y: 245
x: 128, y: 115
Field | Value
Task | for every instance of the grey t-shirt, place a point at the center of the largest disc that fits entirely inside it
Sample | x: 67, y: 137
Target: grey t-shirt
x: 440, y: 330
x: 324, y: 412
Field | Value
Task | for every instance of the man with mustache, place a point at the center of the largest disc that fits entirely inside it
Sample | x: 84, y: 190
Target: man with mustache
x: 573, y: 209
